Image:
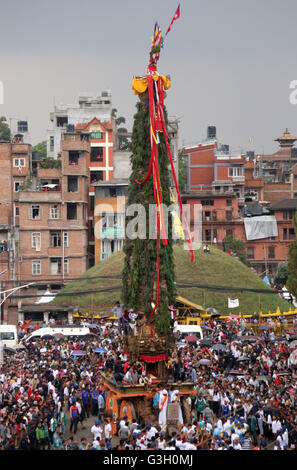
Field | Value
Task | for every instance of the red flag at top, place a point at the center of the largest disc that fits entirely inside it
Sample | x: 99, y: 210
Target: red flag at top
x: 176, y: 17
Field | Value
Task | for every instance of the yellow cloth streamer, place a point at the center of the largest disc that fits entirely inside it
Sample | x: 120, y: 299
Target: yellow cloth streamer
x: 139, y: 85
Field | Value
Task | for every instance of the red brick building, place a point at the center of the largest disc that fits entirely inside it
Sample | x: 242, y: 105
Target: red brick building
x: 46, y: 212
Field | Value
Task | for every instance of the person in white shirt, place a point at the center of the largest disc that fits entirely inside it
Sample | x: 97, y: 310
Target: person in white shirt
x: 97, y: 430
x: 163, y: 403
x: 175, y: 398
x: 107, y: 430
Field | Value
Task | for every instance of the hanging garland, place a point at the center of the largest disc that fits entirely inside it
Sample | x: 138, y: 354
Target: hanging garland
x: 154, y: 84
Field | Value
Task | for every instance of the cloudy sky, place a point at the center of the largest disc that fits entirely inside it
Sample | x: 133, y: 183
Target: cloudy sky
x: 231, y: 62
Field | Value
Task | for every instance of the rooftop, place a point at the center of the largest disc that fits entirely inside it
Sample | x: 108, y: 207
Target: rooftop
x: 284, y: 204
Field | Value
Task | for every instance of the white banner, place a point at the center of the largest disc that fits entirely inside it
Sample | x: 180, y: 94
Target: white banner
x: 263, y: 226
x: 233, y: 303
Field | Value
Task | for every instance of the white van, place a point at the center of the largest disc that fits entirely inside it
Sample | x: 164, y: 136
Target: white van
x: 9, y: 335
x: 189, y: 330
x: 69, y: 330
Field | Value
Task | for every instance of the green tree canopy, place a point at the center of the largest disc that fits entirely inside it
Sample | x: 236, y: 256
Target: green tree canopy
x: 5, y: 134
x: 237, y: 246
x: 41, y: 148
x: 182, y: 172
x: 292, y: 263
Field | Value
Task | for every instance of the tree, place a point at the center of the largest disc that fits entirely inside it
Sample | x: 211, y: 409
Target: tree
x: 182, y: 171
x: 237, y: 246
x: 292, y: 263
x: 282, y: 275
x: 124, y: 143
x: 140, y: 265
x: 41, y: 148
x: 5, y: 134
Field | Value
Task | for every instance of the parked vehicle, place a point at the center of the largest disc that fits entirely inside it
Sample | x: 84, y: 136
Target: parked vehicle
x: 67, y: 331
x: 9, y: 336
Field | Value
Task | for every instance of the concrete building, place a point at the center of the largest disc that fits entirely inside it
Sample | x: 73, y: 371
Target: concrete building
x: 211, y: 166
x: 87, y: 108
x: 44, y: 212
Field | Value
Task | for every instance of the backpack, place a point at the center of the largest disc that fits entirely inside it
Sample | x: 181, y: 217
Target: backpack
x: 74, y: 413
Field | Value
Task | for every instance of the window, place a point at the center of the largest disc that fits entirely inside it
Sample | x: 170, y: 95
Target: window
x: 35, y: 212
x: 92, y: 203
x: 229, y: 232
x: 72, y: 184
x: 65, y: 238
x: 36, y: 267
x: 250, y: 253
x: 66, y: 266
x: 288, y: 215
x: 19, y: 162
x: 73, y: 157
x: 235, y: 171
x: 214, y: 215
x: 56, y: 266
x: 36, y: 240
x: 71, y: 211
x: 271, y: 252
x: 52, y: 143
x: 54, y: 212
x: 229, y: 215
x: 207, y: 237
x: 285, y: 234
x: 228, y: 202
x: 55, y: 239
x: 17, y: 184
x: 96, y: 154
x: 291, y: 234
x: 84, y: 212
x: 16, y: 210
x: 62, y: 121
x: 207, y: 202
x: 96, y: 176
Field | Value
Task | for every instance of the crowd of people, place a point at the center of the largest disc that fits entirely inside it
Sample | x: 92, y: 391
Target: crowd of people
x: 243, y: 395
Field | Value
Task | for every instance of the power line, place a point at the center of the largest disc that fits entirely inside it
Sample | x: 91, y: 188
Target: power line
x: 180, y: 285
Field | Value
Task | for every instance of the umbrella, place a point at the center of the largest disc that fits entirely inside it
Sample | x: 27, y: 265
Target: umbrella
x: 78, y: 352
x: 243, y: 359
x: 293, y: 337
x: 191, y: 339
x: 218, y: 347
x: 58, y: 335
x: 90, y: 335
x: 212, y: 310
x: 47, y: 337
x: 100, y: 350
x: 248, y: 339
x: 205, y: 362
x: 293, y: 344
x: 235, y: 372
x: 6, y: 349
x: 206, y: 328
x: 20, y: 347
x: 264, y: 327
x: 235, y: 317
x: 206, y: 342
x: 284, y: 373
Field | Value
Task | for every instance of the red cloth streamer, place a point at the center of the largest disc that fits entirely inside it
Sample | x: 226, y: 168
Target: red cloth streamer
x: 157, y: 358
x: 176, y: 185
x: 154, y: 169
